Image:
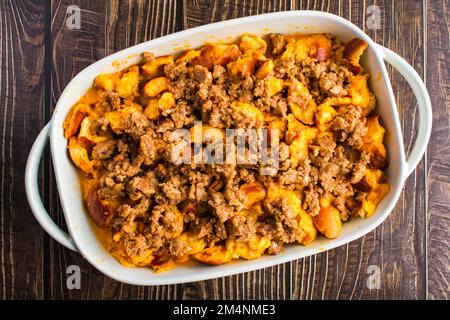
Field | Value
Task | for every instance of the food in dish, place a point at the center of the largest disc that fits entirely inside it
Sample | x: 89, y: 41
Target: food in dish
x: 307, y: 91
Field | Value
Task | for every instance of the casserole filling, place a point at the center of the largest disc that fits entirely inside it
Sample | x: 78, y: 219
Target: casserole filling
x: 229, y: 151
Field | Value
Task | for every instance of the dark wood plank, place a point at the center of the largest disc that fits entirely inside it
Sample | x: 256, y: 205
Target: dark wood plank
x: 106, y: 27
x: 438, y: 166
x: 22, y: 59
x: 412, y: 263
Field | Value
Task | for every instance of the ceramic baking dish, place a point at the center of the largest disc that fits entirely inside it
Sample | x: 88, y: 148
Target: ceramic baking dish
x: 81, y: 236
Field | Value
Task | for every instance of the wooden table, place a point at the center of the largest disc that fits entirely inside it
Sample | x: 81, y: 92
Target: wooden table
x: 40, y: 55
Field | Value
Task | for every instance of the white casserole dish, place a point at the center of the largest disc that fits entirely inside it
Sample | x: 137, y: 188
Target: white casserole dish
x: 82, y: 237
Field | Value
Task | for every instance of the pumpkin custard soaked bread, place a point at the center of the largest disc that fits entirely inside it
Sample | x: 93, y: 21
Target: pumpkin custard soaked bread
x: 154, y: 212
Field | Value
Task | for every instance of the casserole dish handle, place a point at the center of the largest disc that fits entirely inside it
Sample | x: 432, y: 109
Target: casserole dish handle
x: 423, y: 102
x: 32, y: 191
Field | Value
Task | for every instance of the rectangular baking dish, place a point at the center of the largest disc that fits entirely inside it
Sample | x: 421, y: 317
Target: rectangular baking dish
x: 82, y: 237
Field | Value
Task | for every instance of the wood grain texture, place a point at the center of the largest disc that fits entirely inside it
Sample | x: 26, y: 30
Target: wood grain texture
x: 40, y: 55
